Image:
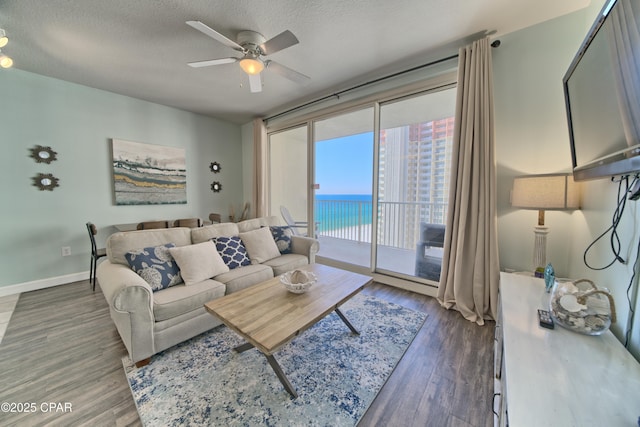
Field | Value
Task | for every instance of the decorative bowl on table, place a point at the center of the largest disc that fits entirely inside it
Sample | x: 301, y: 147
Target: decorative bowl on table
x: 582, y: 307
x: 298, y: 281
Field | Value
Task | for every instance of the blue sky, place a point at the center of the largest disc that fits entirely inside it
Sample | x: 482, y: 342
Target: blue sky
x: 345, y: 165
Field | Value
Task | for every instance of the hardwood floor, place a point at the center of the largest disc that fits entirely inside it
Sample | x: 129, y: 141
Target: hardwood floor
x: 446, y: 376
x: 61, y: 347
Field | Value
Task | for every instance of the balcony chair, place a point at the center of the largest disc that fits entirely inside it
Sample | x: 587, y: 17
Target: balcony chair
x: 295, y: 226
x: 148, y: 225
x: 96, y: 253
x: 429, y: 261
x: 188, y: 222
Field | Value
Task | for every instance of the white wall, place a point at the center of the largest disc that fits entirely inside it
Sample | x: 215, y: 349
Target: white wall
x: 78, y: 122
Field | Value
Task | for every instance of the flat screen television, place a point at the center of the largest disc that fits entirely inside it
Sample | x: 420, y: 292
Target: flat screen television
x: 602, y: 95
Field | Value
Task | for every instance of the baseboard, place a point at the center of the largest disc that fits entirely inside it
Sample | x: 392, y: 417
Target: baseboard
x: 43, y: 283
x: 408, y: 285
x: 419, y: 288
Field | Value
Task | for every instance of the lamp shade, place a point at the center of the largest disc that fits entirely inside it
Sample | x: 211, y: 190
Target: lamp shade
x: 546, y: 192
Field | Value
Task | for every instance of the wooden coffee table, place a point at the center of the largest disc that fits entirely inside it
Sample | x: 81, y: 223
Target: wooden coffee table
x: 268, y: 316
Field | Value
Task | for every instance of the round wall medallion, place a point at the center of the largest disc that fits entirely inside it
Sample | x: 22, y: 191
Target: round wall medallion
x: 215, y: 167
x: 45, y: 181
x: 43, y: 154
x: 216, y: 187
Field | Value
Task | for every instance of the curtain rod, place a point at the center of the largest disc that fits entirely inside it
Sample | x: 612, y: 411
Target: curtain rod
x: 494, y: 44
x: 358, y: 86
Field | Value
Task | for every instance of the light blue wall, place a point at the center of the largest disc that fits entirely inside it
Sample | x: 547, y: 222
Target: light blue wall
x: 532, y: 137
x: 531, y: 132
x: 78, y: 122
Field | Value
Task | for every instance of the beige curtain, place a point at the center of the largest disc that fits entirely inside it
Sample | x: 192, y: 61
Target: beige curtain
x: 260, y: 168
x: 470, y: 267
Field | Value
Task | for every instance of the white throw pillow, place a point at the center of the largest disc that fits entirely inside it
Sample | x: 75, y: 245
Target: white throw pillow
x: 198, y: 262
x: 260, y: 245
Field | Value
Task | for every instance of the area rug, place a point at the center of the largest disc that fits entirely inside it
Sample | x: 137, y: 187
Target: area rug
x: 337, y: 374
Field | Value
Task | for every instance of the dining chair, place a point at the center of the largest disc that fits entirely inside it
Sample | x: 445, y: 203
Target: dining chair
x: 148, y: 225
x: 96, y: 253
x: 215, y: 218
x: 188, y: 222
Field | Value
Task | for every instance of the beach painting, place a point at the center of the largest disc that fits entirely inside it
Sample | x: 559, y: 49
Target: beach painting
x: 148, y: 174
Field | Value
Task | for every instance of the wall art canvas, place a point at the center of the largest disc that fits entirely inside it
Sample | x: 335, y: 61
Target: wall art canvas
x: 148, y: 174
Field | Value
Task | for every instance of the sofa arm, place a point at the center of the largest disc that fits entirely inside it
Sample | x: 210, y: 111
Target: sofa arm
x: 305, y: 246
x: 130, y: 301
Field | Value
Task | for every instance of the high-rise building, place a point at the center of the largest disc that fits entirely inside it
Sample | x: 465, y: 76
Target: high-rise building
x: 414, y: 168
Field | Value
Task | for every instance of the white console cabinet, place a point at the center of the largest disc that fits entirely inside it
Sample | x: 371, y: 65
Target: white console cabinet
x: 558, y: 377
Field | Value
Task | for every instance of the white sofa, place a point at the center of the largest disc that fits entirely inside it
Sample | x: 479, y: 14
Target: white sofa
x: 150, y: 321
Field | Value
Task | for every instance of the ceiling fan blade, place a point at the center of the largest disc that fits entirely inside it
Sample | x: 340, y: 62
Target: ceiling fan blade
x: 255, y: 82
x: 209, y: 62
x: 282, y: 41
x: 287, y: 72
x: 205, y: 29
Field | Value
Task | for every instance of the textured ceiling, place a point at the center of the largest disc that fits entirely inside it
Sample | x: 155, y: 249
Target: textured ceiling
x: 140, y: 48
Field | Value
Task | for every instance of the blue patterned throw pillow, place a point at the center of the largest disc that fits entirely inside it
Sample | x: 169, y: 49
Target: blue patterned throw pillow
x: 155, y: 265
x: 232, y: 251
x: 282, y: 236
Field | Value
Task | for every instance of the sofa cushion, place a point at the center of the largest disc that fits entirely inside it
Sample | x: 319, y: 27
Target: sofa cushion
x: 208, y: 232
x: 198, y: 262
x: 180, y: 299
x: 255, y: 223
x: 244, y: 277
x: 232, y: 251
x: 288, y: 262
x: 260, y: 245
x: 282, y: 235
x: 118, y: 244
x: 155, y: 265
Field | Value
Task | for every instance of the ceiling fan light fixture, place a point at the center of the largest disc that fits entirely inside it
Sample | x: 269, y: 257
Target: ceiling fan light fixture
x: 251, y: 65
x: 5, y: 61
x: 3, y: 38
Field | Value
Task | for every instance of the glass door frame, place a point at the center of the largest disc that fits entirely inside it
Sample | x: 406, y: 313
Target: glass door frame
x: 271, y: 208
x: 359, y: 128
x: 443, y: 81
x: 379, y: 125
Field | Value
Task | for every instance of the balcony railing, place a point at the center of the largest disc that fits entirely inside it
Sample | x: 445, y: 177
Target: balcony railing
x: 398, y: 222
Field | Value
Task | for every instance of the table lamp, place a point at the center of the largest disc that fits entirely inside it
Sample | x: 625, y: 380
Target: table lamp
x: 544, y: 192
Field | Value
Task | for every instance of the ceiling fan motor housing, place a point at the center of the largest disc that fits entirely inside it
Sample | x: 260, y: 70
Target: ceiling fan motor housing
x: 251, y: 41
x: 253, y: 47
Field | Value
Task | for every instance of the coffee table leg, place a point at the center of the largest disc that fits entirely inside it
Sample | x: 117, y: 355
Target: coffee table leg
x: 243, y: 347
x: 274, y: 365
x: 346, y: 321
x: 283, y: 379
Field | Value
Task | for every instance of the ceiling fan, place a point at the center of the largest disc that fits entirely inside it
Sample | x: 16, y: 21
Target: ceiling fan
x: 254, y: 47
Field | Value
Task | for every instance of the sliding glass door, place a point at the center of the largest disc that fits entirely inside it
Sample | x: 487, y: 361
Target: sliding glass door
x: 288, y: 177
x: 414, y: 160
x: 372, y: 182
x: 343, y: 146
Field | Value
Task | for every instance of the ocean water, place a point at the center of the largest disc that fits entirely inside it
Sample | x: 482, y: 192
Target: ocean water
x: 336, y: 211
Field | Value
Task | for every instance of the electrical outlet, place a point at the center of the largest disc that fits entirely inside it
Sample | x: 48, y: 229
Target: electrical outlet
x: 66, y: 250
